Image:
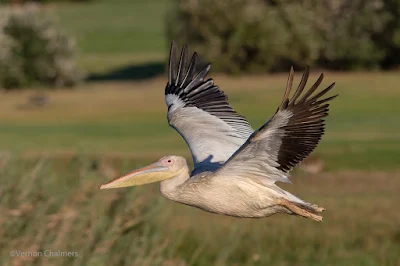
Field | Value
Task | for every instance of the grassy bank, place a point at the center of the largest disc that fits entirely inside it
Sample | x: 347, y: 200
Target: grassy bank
x: 55, y: 204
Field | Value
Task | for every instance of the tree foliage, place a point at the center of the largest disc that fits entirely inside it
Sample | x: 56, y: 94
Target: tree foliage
x: 33, y: 50
x: 260, y: 35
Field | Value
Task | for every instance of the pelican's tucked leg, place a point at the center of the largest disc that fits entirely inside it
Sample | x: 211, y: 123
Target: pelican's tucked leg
x: 308, y: 211
x: 318, y: 208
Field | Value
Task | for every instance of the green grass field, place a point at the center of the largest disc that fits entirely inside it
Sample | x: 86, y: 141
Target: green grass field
x: 54, y: 158
x: 116, y: 33
x: 112, y: 118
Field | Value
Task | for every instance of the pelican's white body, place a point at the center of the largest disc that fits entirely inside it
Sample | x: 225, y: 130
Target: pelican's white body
x: 228, y: 195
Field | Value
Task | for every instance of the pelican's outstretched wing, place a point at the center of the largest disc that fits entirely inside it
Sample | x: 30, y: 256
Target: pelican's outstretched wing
x: 200, y: 112
x: 287, y: 138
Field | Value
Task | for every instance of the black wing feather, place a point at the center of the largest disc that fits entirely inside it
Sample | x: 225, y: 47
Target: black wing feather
x: 305, y: 127
x: 203, y: 94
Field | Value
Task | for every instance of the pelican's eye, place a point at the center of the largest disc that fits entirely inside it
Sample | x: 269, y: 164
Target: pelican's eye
x: 168, y: 162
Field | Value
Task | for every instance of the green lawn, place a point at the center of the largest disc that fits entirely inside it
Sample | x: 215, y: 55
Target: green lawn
x: 116, y: 33
x: 130, y: 118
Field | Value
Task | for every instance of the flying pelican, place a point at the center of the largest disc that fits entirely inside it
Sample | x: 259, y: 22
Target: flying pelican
x: 235, y: 167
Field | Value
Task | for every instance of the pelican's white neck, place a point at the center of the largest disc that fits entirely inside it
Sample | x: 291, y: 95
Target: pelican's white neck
x: 170, y: 187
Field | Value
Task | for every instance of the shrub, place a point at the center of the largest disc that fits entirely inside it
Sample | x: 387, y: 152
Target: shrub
x: 243, y: 35
x: 270, y: 35
x: 389, y: 39
x: 34, y: 50
x: 350, y: 29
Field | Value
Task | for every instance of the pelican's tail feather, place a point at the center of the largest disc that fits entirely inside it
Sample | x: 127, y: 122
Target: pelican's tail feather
x: 304, y: 210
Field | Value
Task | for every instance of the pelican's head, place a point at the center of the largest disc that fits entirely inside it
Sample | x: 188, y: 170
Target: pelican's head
x: 167, y: 167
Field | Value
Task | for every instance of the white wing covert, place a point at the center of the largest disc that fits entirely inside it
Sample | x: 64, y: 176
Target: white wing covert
x: 200, y: 112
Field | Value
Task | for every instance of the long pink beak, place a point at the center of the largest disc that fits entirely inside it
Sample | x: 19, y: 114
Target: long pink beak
x: 148, y: 174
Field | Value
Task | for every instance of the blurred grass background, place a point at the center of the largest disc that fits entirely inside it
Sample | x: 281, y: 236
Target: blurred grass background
x: 54, y: 158
x: 134, y: 33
